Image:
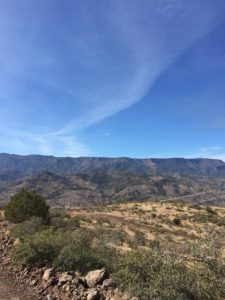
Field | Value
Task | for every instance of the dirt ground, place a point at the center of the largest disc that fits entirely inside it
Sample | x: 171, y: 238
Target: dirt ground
x: 9, y: 289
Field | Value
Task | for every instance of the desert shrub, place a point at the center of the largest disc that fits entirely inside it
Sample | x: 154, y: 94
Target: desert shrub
x: 180, y: 209
x: 28, y: 227
x: 24, y: 205
x: 107, y: 256
x: 196, y: 206
x: 220, y: 222
x: 58, y: 213
x: 200, y: 217
x: 177, y: 221
x: 64, y: 250
x: 146, y: 276
x: 210, y: 210
x: 73, y: 223
x: 86, y: 219
x: 41, y: 248
x: 79, y: 254
x: 110, y: 236
x: 138, y: 239
x: 210, y: 217
x: 157, y: 276
x: 64, y: 223
x: 58, y: 222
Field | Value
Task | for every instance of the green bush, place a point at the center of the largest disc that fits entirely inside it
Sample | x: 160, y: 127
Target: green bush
x: 26, y: 204
x: 28, y: 227
x: 40, y: 249
x: 64, y: 223
x: 157, y: 276
x: 110, y: 236
x: 138, y: 239
x: 65, y: 250
x: 177, y: 221
x: 210, y: 210
x: 58, y: 212
x: 76, y: 254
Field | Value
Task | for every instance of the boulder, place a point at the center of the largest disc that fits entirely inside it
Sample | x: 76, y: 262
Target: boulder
x: 96, y: 277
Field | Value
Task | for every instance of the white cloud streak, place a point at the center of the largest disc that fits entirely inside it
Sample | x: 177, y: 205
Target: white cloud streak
x: 214, y: 152
x: 110, y: 68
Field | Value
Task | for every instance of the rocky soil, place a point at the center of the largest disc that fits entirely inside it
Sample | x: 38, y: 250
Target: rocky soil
x: 18, y: 283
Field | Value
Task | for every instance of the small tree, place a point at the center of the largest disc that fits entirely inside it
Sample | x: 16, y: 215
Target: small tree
x: 26, y: 204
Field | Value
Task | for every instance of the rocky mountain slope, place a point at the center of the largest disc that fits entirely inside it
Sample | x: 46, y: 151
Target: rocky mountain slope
x: 97, y: 181
x: 16, y: 166
x: 101, y: 187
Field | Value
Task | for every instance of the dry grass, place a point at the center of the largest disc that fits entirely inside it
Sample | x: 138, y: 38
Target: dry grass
x: 155, y: 221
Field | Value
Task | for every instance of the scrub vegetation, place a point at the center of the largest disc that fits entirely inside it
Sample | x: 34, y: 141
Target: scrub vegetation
x: 156, y: 251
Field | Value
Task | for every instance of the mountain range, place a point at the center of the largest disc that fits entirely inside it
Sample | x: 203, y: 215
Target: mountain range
x: 94, y: 181
x: 16, y: 166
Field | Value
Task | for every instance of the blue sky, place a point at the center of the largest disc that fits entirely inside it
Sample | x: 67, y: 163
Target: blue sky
x: 113, y: 78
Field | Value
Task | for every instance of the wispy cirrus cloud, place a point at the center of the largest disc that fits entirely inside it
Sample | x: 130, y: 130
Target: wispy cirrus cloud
x: 65, y: 67
x: 48, y: 144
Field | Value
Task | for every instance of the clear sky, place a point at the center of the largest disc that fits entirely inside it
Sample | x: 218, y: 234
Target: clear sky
x: 113, y: 78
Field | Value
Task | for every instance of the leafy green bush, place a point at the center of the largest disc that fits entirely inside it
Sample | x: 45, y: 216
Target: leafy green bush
x: 24, y: 205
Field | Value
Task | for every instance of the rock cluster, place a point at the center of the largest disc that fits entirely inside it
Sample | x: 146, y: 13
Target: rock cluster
x: 51, y: 285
